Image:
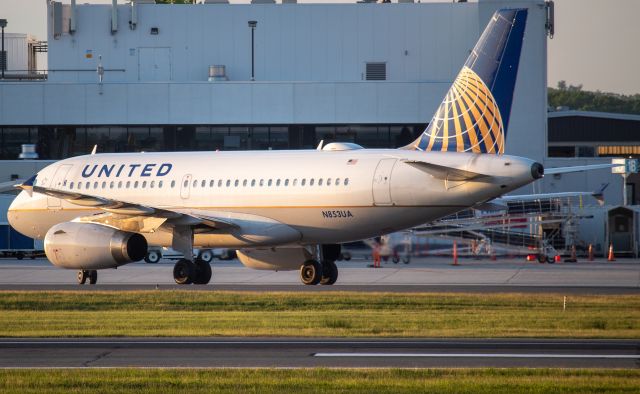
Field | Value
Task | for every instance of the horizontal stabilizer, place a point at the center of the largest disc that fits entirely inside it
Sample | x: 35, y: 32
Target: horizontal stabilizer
x: 446, y: 173
x: 567, y: 170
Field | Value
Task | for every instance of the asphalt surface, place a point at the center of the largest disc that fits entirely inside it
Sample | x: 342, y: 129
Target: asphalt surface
x: 329, y: 352
x: 435, y: 274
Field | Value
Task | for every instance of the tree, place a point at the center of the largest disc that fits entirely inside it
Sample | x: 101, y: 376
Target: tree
x: 576, y: 98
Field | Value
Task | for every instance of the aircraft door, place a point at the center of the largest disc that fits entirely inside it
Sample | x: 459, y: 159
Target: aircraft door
x: 185, y: 186
x: 382, y: 182
x: 58, y: 181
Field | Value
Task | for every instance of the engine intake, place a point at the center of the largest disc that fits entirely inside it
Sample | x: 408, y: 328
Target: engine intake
x: 92, y: 246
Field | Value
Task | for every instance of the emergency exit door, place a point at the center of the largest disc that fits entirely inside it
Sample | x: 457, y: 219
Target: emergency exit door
x: 154, y: 64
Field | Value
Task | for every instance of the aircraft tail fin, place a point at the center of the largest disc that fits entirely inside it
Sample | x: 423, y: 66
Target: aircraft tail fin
x: 474, y: 115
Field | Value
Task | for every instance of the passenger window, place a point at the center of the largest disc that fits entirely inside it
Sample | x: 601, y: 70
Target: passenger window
x: 303, y: 181
x: 144, y: 184
x: 120, y: 185
x: 152, y: 184
x: 269, y: 183
x: 295, y: 181
x: 219, y: 182
x: 104, y: 185
x: 71, y: 185
x: 236, y: 183
x: 211, y: 183
x: 186, y: 183
x: 320, y: 182
x: 111, y: 185
x: 87, y: 185
x: 346, y: 181
x: 286, y: 182
x: 261, y: 182
x: 244, y: 183
x: 328, y: 181
x: 278, y: 182
x: 160, y: 184
x: 228, y: 182
x: 204, y: 183
x: 253, y: 182
x: 135, y: 184
x: 173, y: 184
x: 79, y: 185
x: 95, y: 185
x: 311, y: 181
x: 195, y: 183
x: 128, y: 184
x: 337, y: 181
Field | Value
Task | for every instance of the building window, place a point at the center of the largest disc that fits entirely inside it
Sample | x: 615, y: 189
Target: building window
x: 562, y: 151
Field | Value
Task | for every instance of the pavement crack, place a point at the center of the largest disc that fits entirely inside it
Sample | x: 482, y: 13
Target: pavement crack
x: 96, y: 358
x: 514, y: 275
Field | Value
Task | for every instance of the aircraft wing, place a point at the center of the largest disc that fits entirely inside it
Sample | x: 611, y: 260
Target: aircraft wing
x: 131, y: 216
x: 597, y: 194
x: 8, y: 186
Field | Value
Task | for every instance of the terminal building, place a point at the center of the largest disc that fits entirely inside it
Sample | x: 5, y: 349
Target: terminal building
x: 218, y: 76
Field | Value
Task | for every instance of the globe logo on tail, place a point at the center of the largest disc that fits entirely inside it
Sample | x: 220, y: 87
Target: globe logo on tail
x: 468, y: 120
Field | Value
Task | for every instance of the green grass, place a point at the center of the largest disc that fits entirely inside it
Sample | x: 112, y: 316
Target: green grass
x: 343, y: 314
x: 195, y: 381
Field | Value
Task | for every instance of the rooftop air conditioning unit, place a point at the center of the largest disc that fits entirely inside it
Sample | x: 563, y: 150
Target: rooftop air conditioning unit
x: 217, y: 73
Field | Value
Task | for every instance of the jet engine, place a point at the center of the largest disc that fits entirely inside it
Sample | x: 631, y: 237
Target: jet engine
x: 90, y: 246
x: 274, y: 259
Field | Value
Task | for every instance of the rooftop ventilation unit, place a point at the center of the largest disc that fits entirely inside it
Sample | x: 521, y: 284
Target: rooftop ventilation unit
x: 263, y: 1
x: 216, y: 2
x: 376, y: 71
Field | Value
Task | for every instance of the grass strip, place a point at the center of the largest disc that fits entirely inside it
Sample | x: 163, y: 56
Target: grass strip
x: 319, y: 380
x: 343, y: 314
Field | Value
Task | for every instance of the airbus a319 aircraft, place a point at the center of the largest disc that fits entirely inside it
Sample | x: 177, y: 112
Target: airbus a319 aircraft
x: 285, y: 210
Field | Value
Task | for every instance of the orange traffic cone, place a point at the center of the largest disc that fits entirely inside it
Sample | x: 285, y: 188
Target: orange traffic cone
x: 611, y: 256
x: 590, y: 252
x: 455, y: 253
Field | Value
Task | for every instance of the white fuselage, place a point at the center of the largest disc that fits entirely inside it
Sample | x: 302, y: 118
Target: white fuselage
x: 274, y: 197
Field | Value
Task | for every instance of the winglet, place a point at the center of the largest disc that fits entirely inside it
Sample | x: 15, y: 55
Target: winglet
x: 95, y: 148
x: 320, y: 145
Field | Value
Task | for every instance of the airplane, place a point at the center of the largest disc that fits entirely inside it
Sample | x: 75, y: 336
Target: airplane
x: 285, y: 210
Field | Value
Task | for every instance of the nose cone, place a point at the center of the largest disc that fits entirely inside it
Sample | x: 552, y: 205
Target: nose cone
x: 537, y: 170
x: 16, y: 214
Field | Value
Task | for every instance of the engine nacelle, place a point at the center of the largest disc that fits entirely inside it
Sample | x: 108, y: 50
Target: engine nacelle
x: 92, y: 246
x: 283, y: 259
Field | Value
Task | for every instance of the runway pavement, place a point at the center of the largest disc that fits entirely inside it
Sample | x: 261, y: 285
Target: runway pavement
x: 424, y: 274
x: 330, y: 352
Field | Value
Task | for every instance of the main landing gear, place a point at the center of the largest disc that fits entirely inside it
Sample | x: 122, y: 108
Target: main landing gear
x: 313, y: 272
x: 83, y: 275
x: 186, y: 272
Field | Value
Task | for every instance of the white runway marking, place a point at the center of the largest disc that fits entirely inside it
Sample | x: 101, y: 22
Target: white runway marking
x: 481, y: 355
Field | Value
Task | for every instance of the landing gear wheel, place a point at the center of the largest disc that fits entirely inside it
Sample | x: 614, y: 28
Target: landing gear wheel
x: 152, y: 257
x: 329, y: 274
x: 396, y: 259
x: 206, y: 256
x: 93, y: 277
x: 406, y: 259
x: 203, y: 272
x: 82, y: 277
x: 311, y: 272
x: 184, y: 272
x: 542, y: 259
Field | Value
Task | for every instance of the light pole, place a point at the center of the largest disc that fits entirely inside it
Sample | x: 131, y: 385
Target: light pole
x: 252, y: 25
x: 3, y: 24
